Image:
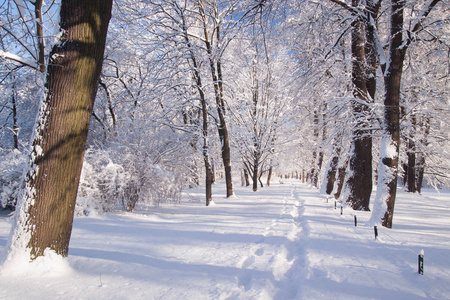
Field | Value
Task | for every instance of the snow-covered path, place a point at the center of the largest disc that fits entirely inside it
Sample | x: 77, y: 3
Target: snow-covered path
x: 282, y: 242
x: 347, y: 262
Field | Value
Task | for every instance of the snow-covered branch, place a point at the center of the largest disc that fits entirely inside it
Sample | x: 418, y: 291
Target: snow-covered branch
x: 417, y: 24
x: 17, y: 59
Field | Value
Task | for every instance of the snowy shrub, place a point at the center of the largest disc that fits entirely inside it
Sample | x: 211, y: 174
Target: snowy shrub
x: 162, y: 186
x: 150, y: 184
x: 11, y: 170
x: 113, y: 180
x: 102, y: 185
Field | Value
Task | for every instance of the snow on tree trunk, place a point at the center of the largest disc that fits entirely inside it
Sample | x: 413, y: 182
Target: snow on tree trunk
x: 330, y: 173
x: 383, y: 207
x: 358, y: 183
x: 389, y: 152
x: 340, y: 179
x: 45, y: 210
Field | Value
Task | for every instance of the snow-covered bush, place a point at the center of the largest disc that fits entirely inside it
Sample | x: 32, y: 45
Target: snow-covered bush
x: 162, y: 186
x: 121, y: 180
x: 103, y: 184
x: 12, y: 164
x: 150, y: 184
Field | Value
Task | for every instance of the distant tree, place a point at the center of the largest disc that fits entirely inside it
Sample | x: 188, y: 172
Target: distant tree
x: 262, y: 88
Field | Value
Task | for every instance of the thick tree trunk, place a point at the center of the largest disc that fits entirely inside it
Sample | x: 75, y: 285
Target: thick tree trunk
x: 247, y: 181
x: 332, y: 169
x: 339, y: 184
x: 359, y: 181
x: 47, y: 206
x: 390, y: 143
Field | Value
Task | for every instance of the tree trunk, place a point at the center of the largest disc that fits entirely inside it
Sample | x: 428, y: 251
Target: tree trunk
x: 223, y: 132
x: 359, y: 182
x: 420, y: 172
x: 269, y: 176
x: 313, y: 171
x: 204, y: 113
x: 216, y: 73
x: 390, y: 143
x: 318, y: 168
x: 332, y: 169
x: 421, y: 158
x: 259, y: 179
x: 411, y: 170
x: 213, y: 171
x: 373, y: 8
x: 14, y: 112
x: 405, y: 174
x: 206, y: 160
x: 208, y: 179
x: 339, y: 184
x: 247, y: 181
x: 255, y: 174
x: 321, y: 154
x: 40, y: 34
x: 48, y: 202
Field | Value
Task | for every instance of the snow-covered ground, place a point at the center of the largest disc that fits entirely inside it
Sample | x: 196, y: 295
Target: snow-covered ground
x: 282, y: 242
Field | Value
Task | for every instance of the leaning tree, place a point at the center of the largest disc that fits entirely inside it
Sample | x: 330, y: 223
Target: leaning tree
x: 45, y: 210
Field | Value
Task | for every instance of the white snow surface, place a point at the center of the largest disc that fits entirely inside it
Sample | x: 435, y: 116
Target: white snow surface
x: 282, y: 242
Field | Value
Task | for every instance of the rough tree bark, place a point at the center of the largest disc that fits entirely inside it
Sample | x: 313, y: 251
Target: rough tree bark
x: 391, y: 66
x: 339, y: 183
x: 45, y: 212
x: 390, y: 142
x: 358, y: 186
x: 332, y: 169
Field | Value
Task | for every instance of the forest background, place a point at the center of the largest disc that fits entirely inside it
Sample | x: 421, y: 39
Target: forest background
x: 344, y: 95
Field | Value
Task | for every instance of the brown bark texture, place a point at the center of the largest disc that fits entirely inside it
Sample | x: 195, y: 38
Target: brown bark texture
x: 72, y: 78
x: 359, y: 182
x: 392, y: 81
